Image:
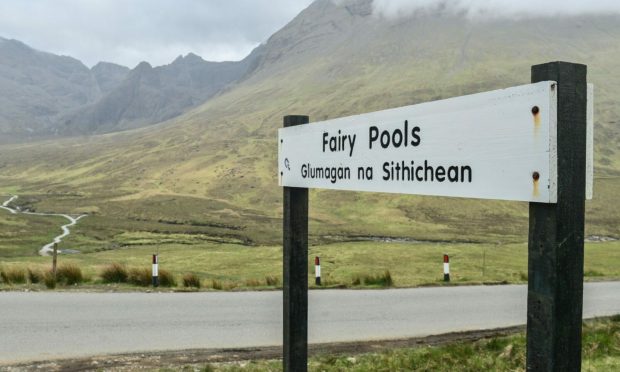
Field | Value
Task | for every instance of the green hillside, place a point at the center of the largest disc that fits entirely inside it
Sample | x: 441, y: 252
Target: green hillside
x: 213, y: 170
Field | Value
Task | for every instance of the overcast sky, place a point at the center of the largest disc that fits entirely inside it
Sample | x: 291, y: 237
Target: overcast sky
x: 157, y: 31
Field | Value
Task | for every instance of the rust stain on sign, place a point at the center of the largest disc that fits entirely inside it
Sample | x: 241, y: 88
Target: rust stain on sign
x: 536, y: 115
x: 535, y: 178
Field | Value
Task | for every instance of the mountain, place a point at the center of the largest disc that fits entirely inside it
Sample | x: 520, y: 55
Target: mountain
x: 47, y: 96
x: 150, y: 95
x: 36, y: 88
x: 214, y: 167
x: 109, y: 75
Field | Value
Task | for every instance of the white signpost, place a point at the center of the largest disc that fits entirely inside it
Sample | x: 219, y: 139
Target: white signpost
x: 493, y: 145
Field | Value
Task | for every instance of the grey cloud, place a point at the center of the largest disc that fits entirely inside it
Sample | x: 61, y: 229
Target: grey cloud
x: 482, y: 9
x: 156, y: 31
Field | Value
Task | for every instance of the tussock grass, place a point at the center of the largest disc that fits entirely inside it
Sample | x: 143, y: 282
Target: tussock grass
x: 142, y: 277
x: 593, y: 273
x: 13, y: 275
x: 216, y: 284
x: 229, y: 286
x: 35, y: 276
x: 225, y: 285
x: 49, y: 279
x: 272, y: 281
x: 166, y: 279
x: 252, y: 282
x: 191, y: 280
x: 269, y: 281
x: 69, y: 274
x: 380, y: 280
x: 115, y: 273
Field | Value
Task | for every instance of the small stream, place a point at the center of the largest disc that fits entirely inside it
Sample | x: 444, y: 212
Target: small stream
x: 47, y: 249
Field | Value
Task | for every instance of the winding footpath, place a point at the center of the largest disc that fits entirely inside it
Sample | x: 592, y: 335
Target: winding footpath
x: 47, y: 249
x: 6, y: 203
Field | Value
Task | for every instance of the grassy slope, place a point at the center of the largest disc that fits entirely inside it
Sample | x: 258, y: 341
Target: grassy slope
x: 212, y: 171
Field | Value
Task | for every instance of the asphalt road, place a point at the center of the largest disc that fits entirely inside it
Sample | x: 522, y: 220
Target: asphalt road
x: 48, y: 325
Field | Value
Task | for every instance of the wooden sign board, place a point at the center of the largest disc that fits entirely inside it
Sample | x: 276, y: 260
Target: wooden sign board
x: 492, y: 145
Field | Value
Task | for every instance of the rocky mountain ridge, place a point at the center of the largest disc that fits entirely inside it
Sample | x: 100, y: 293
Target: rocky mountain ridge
x: 44, y: 96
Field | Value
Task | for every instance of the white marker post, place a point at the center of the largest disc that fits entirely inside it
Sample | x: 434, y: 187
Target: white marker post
x: 155, y: 271
x: 446, y: 268
x: 317, y: 270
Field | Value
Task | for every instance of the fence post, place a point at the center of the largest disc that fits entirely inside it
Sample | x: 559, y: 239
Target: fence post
x: 295, y: 276
x: 556, y: 231
x: 54, y: 259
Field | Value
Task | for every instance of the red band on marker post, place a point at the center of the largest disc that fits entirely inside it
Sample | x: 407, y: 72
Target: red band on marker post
x: 317, y: 270
x: 446, y: 268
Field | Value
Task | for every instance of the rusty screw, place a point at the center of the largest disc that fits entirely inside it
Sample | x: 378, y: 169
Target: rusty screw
x: 535, y: 176
x: 535, y: 110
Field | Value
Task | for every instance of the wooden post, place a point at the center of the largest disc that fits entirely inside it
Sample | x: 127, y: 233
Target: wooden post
x: 556, y: 232
x: 54, y: 258
x: 295, y: 278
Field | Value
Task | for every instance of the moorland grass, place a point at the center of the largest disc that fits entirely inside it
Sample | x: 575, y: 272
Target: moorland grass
x: 252, y: 282
x: 69, y: 274
x: 272, y: 281
x: 35, y: 276
x: 114, y: 273
x: 217, y: 285
x: 49, y: 279
x: 374, y: 280
x: 142, y: 277
x: 166, y: 278
x: 13, y: 275
x: 191, y: 280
